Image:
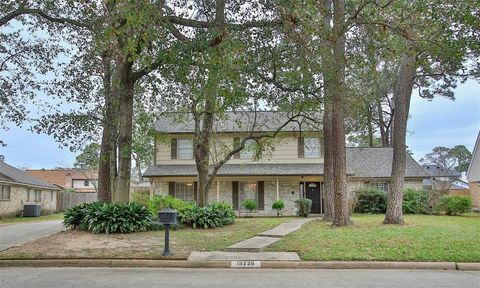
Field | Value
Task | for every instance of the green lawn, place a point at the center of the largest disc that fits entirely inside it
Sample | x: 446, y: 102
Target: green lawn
x: 422, y: 238
x: 57, y: 216
x: 143, y: 245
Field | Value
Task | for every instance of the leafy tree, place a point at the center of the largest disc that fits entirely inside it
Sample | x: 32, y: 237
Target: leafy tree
x: 89, y: 159
x: 457, y: 158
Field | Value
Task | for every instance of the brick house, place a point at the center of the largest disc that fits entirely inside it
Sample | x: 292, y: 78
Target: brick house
x: 68, y: 179
x: 291, y: 169
x: 18, y: 188
x: 473, y: 174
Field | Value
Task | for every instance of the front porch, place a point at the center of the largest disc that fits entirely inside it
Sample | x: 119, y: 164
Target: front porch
x: 264, y: 190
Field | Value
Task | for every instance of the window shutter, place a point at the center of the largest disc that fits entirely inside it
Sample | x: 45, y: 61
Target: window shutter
x: 236, y: 144
x: 171, y: 189
x: 261, y: 195
x: 235, y: 195
x: 301, y: 147
x: 195, y: 191
x: 173, y: 146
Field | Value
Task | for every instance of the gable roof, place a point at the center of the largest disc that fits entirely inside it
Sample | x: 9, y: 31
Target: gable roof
x: 260, y: 121
x: 439, y: 171
x: 9, y: 173
x: 377, y: 163
x: 361, y: 163
x: 60, y: 176
x: 473, y: 172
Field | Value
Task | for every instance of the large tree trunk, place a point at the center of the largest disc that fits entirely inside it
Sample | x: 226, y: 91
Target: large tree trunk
x: 125, y: 110
x: 402, y: 95
x: 327, y: 63
x: 104, y: 181
x: 341, y: 217
x: 328, y: 183
x: 202, y: 141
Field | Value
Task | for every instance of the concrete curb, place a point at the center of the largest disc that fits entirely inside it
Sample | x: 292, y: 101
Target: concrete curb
x: 227, y: 264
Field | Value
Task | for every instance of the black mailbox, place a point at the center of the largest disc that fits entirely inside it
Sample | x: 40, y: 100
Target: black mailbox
x: 167, y: 217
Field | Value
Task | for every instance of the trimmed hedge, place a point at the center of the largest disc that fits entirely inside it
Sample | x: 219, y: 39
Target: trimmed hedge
x: 371, y: 201
x: 454, y: 205
x: 415, y: 201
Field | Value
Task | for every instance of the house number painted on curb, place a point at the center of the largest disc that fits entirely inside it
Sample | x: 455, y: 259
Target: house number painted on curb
x: 245, y: 264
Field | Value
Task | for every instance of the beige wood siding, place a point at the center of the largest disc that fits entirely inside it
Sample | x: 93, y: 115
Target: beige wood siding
x: 284, y: 150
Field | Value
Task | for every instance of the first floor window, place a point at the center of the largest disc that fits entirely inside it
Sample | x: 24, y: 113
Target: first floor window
x: 37, y: 193
x: 184, y: 191
x: 86, y: 183
x: 51, y: 196
x: 248, y: 190
x: 4, y: 192
x: 382, y: 186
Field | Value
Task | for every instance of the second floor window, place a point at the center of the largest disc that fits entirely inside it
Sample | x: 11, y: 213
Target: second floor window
x: 249, y: 151
x: 312, y: 147
x: 184, y: 148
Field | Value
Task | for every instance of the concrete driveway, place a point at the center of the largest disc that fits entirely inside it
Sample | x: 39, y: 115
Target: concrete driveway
x: 16, y: 234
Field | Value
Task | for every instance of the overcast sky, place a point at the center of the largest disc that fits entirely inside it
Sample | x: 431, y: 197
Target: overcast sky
x: 440, y: 122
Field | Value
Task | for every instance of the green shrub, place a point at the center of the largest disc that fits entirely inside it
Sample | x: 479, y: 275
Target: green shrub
x: 74, y: 217
x: 250, y: 205
x: 415, y: 201
x: 371, y: 201
x: 211, y: 216
x: 304, y: 206
x: 455, y: 205
x: 108, y: 218
x: 278, y: 206
x: 158, y: 203
x: 141, y: 198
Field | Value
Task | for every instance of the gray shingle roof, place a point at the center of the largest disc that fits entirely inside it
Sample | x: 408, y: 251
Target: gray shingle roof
x: 439, y: 171
x: 377, y: 162
x: 361, y: 162
x: 12, y: 174
x: 264, y: 121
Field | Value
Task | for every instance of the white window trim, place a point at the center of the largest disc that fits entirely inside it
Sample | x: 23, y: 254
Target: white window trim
x: 249, y: 151
x: 187, y: 157
x: 241, y: 192
x: 307, y: 149
x: 192, y: 187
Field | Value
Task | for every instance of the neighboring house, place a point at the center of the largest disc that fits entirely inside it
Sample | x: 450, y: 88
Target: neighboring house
x: 67, y: 179
x: 444, y: 179
x: 473, y: 174
x: 18, y: 188
x: 292, y: 169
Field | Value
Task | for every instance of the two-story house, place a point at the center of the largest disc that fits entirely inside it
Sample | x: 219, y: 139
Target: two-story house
x: 78, y: 180
x: 292, y: 168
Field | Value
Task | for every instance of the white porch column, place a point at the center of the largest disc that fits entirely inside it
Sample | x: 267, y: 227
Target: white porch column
x: 278, y: 190
x: 218, y: 190
x: 152, y: 188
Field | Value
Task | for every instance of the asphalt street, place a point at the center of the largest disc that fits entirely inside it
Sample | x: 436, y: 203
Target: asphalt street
x: 232, y: 278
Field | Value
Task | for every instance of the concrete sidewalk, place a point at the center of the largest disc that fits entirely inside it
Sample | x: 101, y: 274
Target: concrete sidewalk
x: 16, y: 234
x: 267, y: 238
x: 232, y: 256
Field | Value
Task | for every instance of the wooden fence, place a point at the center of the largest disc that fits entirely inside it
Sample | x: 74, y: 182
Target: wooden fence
x: 66, y: 200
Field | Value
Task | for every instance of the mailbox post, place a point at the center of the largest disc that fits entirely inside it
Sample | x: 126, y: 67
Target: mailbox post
x: 167, y: 217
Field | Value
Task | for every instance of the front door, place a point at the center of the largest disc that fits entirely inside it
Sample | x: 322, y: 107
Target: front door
x: 313, y: 193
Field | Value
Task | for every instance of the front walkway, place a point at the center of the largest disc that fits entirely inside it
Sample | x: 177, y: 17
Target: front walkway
x: 16, y: 234
x: 251, y: 249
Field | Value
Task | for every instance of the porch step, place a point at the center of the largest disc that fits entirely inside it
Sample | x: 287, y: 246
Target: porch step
x: 234, y: 256
x: 285, y: 228
x: 255, y: 244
